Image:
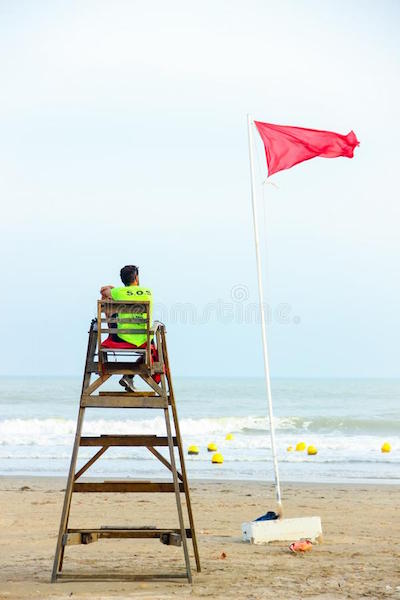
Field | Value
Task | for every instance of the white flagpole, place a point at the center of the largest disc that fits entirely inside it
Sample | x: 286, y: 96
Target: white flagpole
x: 250, y: 124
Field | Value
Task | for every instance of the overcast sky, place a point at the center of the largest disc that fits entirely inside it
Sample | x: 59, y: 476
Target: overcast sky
x: 123, y: 140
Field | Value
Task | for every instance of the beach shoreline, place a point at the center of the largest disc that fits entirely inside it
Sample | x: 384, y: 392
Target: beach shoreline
x: 59, y: 479
x: 359, y: 556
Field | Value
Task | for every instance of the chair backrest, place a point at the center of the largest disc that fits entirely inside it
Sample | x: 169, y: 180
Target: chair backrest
x: 129, y: 318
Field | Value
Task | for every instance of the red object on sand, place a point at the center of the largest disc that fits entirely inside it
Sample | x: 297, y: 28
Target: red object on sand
x: 301, y: 546
x: 286, y: 146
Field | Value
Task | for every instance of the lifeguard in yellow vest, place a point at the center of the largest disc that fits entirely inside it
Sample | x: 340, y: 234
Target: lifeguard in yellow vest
x: 132, y: 290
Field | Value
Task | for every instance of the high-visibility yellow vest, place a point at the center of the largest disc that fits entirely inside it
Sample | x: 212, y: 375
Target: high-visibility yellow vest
x: 133, y: 293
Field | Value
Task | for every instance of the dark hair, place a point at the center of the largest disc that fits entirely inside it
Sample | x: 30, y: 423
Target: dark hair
x: 129, y: 274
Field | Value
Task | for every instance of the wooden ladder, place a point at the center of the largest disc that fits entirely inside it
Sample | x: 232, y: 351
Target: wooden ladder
x: 160, y: 396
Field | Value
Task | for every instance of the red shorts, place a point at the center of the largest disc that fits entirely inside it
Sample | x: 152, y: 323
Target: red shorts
x: 112, y: 344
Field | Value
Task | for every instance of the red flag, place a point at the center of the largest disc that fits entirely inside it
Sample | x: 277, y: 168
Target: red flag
x: 286, y: 146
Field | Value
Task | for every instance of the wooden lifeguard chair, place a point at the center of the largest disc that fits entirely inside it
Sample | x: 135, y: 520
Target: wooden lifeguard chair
x: 150, y: 363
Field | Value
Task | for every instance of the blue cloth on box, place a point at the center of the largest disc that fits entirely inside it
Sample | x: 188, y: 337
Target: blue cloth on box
x: 269, y: 516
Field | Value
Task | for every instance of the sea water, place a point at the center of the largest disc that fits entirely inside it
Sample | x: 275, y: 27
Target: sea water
x: 347, y: 420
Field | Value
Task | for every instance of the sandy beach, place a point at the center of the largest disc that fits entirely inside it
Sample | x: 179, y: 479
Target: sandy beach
x: 358, y: 558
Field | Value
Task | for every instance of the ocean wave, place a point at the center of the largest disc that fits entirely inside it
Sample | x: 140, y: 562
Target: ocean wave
x: 251, y: 430
x: 59, y: 431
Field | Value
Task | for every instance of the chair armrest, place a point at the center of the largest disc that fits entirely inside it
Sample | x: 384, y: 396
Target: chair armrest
x: 157, y: 325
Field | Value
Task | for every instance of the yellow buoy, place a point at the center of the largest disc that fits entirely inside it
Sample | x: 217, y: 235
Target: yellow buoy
x: 300, y: 446
x: 386, y: 447
x: 193, y: 450
x: 311, y: 450
x: 212, y: 447
x: 289, y: 449
x: 217, y: 459
x: 229, y: 436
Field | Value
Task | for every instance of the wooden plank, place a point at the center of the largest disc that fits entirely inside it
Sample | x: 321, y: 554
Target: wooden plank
x: 84, y: 537
x: 130, y: 394
x: 115, y: 369
x: 148, y: 340
x: 128, y: 532
x: 151, y: 383
x: 164, y: 460
x: 96, y: 384
x: 123, y: 402
x: 178, y: 487
x: 89, y: 462
x: 120, y: 320
x: 132, y: 305
x: 130, y: 527
x: 133, y: 308
x: 93, y: 577
x: 99, y: 332
x: 129, y: 330
x: 163, y: 344
x: 124, y: 350
x: 125, y: 487
x: 125, y: 440
x: 59, y: 555
x: 72, y: 539
x: 91, y: 351
x: 127, y: 368
x: 118, y: 368
x: 158, y: 367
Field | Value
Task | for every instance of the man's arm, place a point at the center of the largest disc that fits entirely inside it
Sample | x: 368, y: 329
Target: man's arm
x: 105, y: 292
